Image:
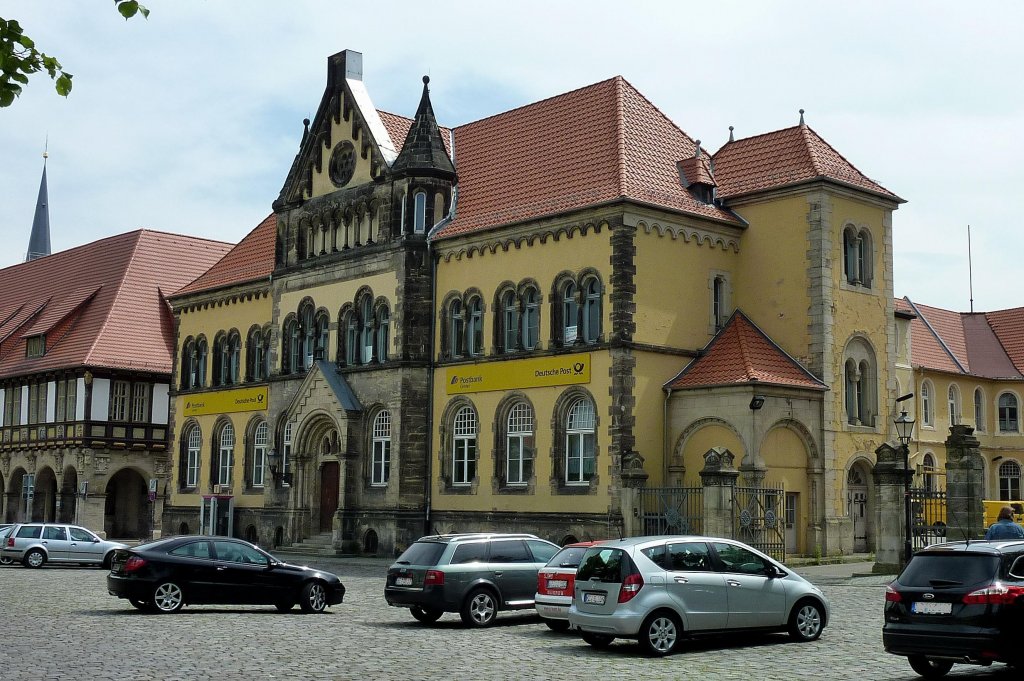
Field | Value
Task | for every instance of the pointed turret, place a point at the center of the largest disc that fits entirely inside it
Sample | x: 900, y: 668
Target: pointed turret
x: 423, y: 153
x: 39, y: 241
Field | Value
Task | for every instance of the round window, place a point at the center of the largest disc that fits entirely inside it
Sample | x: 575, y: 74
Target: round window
x: 343, y: 164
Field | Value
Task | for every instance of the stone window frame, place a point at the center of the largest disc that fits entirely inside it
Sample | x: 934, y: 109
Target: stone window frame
x: 954, y: 404
x: 474, y: 323
x: 858, y: 257
x: 1008, y: 472
x: 979, y: 409
x: 529, y: 310
x: 1015, y: 406
x: 561, y: 299
x: 719, y: 299
x: 419, y: 212
x: 928, y: 471
x: 506, y: 319
x: 257, y: 353
x: 860, y: 394
x: 499, y: 451
x: 290, y: 346
x: 189, y: 365
x: 251, y: 446
x: 446, y: 450
x: 190, y: 455
x: 927, y: 404
x: 221, y: 444
x: 587, y: 303
x: 559, y: 417
x: 380, y: 431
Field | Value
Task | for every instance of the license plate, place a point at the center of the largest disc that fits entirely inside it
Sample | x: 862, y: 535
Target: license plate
x: 403, y: 581
x: 558, y: 584
x: 593, y: 599
x: 925, y: 608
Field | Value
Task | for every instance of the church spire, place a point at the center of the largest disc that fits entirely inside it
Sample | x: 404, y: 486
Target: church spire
x: 424, y: 153
x: 39, y: 241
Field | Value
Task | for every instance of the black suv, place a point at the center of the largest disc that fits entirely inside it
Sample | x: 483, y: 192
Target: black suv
x: 475, y: 575
x: 958, y: 602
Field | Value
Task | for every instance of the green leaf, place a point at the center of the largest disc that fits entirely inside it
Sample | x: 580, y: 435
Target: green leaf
x: 6, y: 98
x: 128, y: 8
x: 64, y: 84
x: 26, y: 41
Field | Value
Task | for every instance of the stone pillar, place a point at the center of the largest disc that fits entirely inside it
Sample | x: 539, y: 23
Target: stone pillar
x: 719, y: 478
x: 634, y: 479
x: 965, y: 512
x: 889, y: 475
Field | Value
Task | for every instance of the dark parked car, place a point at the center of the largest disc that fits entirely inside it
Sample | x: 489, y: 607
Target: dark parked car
x: 475, y: 575
x: 958, y: 602
x: 164, y: 575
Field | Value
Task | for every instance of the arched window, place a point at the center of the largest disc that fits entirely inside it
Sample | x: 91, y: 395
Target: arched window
x: 591, y: 310
x: 928, y: 472
x: 321, y: 335
x: 464, y: 447
x: 531, y: 319
x: 520, y: 448
x: 226, y: 455
x: 233, y: 358
x: 860, y: 384
x: 979, y: 410
x: 220, y: 359
x: 193, y: 441
x: 419, y: 213
x: 1009, y: 481
x: 457, y: 329
x: 366, y: 334
x: 718, y: 302
x: 260, y: 442
x: 308, y: 336
x: 509, y: 321
x: 927, y: 408
x: 188, y: 364
x: 1008, y: 422
x: 475, y: 335
x: 580, y: 443
x: 953, y: 399
x: 286, y: 452
x: 858, y: 255
x: 381, y: 471
x: 202, y: 351
x: 383, y: 328
x: 290, y: 352
x: 570, y: 314
x: 255, y: 355
x: 351, y: 338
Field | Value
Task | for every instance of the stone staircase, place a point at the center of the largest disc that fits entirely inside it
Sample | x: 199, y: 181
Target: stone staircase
x: 316, y: 545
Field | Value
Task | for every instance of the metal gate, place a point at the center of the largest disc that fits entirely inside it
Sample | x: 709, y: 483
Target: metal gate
x: 672, y: 510
x: 927, y: 517
x: 758, y: 519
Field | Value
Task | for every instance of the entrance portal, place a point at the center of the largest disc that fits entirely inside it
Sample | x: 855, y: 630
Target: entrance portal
x: 328, y: 495
x: 128, y: 509
x: 857, y: 506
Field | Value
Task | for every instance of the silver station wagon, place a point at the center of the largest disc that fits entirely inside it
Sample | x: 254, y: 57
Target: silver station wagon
x: 659, y: 590
x: 35, y: 544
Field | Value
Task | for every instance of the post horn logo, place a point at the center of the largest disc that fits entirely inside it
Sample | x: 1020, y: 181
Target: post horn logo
x: 577, y: 368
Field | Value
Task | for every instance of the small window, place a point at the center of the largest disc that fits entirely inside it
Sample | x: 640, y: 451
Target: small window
x: 689, y: 557
x: 509, y: 321
x: 927, y: 408
x: 260, y: 441
x: 1009, y: 481
x: 1008, y: 413
x: 196, y: 549
x: 475, y: 552
x: 457, y: 329
x: 464, y: 447
x: 35, y: 346
x: 381, y: 472
x: 979, y: 410
x: 419, y: 212
x: 658, y: 555
x: 55, y: 532
x: 80, y: 534
x: 591, y: 310
x: 520, y: 444
x: 195, y: 444
x: 570, y: 314
x: 225, y: 459
x: 580, y: 457
x: 954, y: 405
x: 510, y: 551
x: 140, y: 402
x: 530, y: 320
x: 543, y: 551
x: 475, y: 336
x: 119, y: 401
x: 740, y: 560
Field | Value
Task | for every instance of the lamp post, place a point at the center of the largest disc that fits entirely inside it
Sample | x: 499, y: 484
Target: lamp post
x: 904, y: 430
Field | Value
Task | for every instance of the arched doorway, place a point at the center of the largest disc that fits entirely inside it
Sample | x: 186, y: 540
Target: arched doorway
x: 16, y: 497
x: 69, y: 496
x: 127, y: 511
x: 858, y: 507
x: 328, y: 495
x: 44, y: 500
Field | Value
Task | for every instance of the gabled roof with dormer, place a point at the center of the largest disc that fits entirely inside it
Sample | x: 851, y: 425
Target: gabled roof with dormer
x: 101, y: 305
x: 742, y: 354
x: 786, y: 158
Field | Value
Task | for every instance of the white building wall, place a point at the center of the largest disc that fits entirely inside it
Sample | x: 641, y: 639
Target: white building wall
x: 100, y: 399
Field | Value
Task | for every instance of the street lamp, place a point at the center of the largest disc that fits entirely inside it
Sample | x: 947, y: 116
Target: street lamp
x: 904, y: 430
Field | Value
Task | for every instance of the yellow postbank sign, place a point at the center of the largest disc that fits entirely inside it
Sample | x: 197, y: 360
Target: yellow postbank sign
x: 226, y: 401
x: 520, y: 373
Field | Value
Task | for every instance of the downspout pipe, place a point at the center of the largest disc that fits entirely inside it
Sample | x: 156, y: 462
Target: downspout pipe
x: 664, y: 439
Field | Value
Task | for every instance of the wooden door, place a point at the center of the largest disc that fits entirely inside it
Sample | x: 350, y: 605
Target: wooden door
x: 328, y: 495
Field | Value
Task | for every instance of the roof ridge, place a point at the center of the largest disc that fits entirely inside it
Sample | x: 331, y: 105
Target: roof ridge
x: 620, y: 135
x: 805, y: 132
x: 117, y: 293
x: 936, y: 335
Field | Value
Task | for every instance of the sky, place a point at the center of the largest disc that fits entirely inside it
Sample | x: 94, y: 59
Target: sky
x: 188, y: 122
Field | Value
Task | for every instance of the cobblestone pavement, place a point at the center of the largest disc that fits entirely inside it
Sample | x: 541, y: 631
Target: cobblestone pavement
x: 60, y: 623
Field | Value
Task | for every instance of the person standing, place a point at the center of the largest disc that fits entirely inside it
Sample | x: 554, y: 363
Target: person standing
x: 1004, y: 527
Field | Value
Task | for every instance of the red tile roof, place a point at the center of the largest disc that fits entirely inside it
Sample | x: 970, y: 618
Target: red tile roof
x: 124, y: 324
x: 985, y: 344
x: 597, y: 144
x: 251, y: 259
x: 742, y: 354
x: 782, y: 158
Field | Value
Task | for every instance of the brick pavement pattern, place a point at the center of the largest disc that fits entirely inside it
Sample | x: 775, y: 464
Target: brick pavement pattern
x: 60, y: 623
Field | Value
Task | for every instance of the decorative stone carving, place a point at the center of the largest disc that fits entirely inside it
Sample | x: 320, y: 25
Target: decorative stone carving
x: 633, y: 473
x: 30, y: 462
x: 5, y: 464
x: 718, y: 468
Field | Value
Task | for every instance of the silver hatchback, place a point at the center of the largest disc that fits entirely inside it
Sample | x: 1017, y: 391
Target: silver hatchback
x: 659, y: 590
x: 35, y: 544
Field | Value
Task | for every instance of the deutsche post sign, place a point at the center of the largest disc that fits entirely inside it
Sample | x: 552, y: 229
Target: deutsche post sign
x: 521, y: 373
x: 226, y: 401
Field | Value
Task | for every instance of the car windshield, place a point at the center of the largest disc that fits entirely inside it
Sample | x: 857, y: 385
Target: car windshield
x: 937, y: 570
x: 569, y: 557
x: 422, y: 553
x: 603, y: 565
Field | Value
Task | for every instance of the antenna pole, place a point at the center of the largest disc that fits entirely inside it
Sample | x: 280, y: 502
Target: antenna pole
x: 970, y: 271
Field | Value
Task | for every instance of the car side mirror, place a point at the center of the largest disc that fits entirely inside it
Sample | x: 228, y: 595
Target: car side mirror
x: 773, y: 571
x: 95, y: 540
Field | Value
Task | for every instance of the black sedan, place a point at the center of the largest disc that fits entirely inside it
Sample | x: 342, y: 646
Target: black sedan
x: 164, y: 575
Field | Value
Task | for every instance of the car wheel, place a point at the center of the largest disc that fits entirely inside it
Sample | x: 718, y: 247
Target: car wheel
x: 4, y: 560
x: 168, y: 597
x: 806, y: 621
x: 597, y: 640
x: 34, y: 559
x: 929, y: 668
x: 314, y: 597
x: 660, y: 633
x: 426, y: 615
x: 480, y: 609
x: 557, y: 625
x: 105, y: 564
x: 284, y: 606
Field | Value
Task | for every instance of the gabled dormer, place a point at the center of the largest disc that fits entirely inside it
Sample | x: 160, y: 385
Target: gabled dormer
x: 697, y: 176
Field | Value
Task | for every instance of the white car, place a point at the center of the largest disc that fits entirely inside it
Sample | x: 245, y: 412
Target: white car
x: 35, y: 544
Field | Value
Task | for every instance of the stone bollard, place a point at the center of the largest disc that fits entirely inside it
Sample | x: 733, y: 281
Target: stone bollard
x: 719, y: 478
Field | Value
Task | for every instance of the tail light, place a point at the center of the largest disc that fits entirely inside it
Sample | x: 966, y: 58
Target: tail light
x: 10, y: 542
x: 433, y: 578
x: 892, y: 595
x: 996, y: 594
x: 542, y: 584
x: 631, y: 586
x: 134, y: 563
